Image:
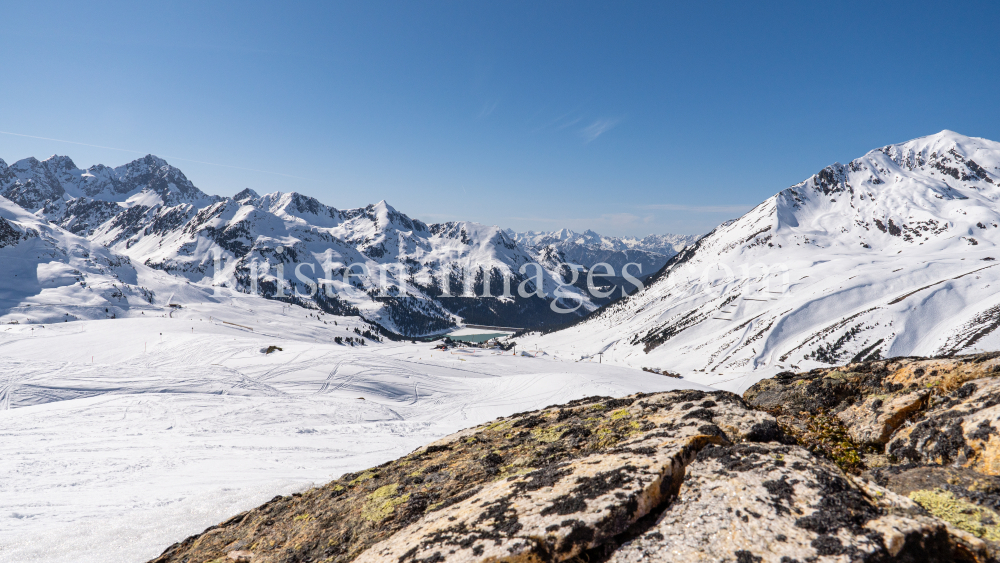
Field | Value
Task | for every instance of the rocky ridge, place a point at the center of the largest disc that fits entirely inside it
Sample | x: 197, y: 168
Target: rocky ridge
x: 890, y: 460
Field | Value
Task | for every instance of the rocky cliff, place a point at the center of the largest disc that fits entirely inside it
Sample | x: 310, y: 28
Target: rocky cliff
x: 892, y: 460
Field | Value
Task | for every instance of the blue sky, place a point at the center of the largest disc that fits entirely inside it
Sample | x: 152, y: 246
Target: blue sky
x: 628, y: 118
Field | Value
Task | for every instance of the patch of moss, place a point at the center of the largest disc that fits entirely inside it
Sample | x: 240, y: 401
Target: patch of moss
x: 606, y: 438
x: 510, y: 471
x: 826, y: 435
x: 975, y: 519
x: 382, y: 502
x: 304, y: 518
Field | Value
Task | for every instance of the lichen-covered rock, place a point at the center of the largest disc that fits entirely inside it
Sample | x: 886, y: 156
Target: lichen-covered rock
x: 840, y: 387
x: 875, y: 419
x: 776, y: 503
x: 849, y: 413
x: 964, y: 498
x: 640, y: 443
x: 564, y: 509
x: 960, y: 428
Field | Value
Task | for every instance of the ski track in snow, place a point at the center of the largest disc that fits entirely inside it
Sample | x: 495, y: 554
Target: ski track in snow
x: 116, y: 442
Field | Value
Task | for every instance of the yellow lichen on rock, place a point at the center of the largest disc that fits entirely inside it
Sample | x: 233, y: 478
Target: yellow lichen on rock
x: 977, y: 520
x: 548, y: 434
x: 382, y: 502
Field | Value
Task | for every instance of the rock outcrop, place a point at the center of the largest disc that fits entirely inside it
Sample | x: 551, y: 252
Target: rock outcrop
x: 676, y: 476
x: 850, y: 413
x: 923, y: 428
x: 767, y: 502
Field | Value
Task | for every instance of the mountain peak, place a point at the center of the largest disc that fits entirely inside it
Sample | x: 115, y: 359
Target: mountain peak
x: 247, y: 195
x: 58, y: 161
x: 153, y: 160
x: 384, y: 205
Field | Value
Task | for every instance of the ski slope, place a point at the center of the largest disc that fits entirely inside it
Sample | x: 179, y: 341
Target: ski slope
x: 119, y: 437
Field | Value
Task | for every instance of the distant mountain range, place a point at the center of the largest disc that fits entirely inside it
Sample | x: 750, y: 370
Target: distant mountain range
x: 147, y: 212
x: 590, y: 248
x: 892, y: 254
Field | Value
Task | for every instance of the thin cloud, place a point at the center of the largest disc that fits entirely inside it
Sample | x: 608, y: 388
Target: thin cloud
x: 598, y: 128
x: 488, y: 108
x: 700, y: 208
x: 563, y: 121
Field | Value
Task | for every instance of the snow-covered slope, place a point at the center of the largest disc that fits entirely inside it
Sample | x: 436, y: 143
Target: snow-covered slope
x: 894, y: 253
x: 50, y: 275
x: 121, y: 437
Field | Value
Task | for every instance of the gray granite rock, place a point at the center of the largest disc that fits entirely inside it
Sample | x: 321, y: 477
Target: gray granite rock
x: 774, y: 503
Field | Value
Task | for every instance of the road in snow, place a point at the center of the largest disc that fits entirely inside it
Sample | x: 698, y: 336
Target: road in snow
x: 120, y: 437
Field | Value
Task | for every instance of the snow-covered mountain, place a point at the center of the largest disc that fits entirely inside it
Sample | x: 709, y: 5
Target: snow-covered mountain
x: 891, y: 254
x: 349, y: 252
x: 589, y: 248
x: 63, y: 276
x: 80, y: 200
x: 149, y: 212
x: 667, y: 245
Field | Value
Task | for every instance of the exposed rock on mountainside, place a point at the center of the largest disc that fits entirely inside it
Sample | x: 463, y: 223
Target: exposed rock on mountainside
x: 677, y: 476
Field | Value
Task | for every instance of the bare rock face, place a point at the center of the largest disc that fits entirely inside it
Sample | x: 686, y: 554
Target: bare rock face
x: 775, y: 503
x: 874, y: 419
x: 961, y: 429
x: 562, y: 510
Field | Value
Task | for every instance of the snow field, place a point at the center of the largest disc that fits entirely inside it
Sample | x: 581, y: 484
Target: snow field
x: 117, y: 441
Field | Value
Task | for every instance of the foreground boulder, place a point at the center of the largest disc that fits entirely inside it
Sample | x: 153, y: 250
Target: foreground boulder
x: 850, y: 413
x: 677, y: 476
x: 926, y: 429
x: 767, y: 502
